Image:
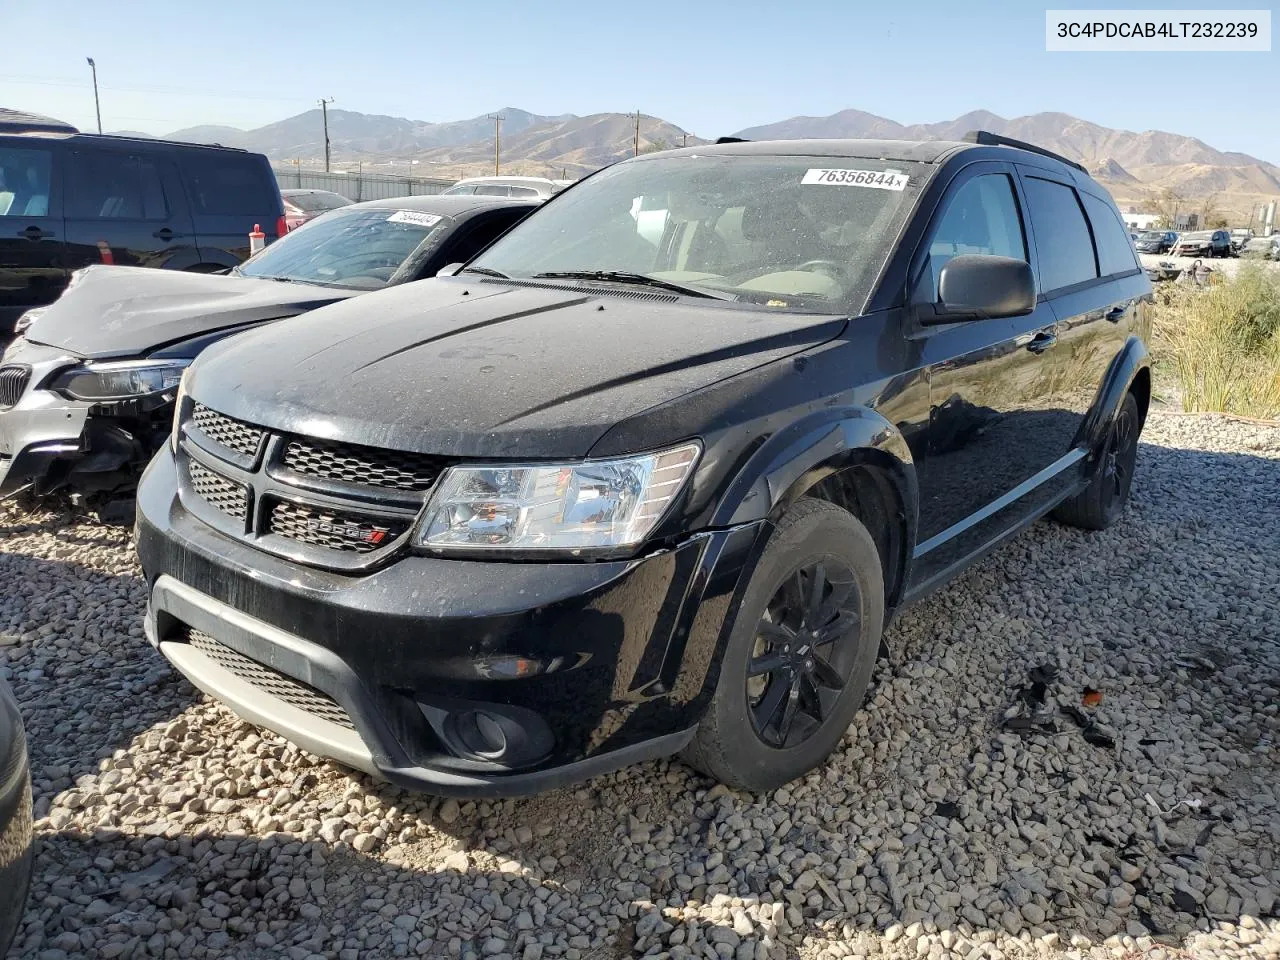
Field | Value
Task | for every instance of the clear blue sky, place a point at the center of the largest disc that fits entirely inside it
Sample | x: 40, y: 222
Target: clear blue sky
x: 709, y: 66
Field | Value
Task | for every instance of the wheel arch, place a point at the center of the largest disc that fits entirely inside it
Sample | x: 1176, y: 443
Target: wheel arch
x: 853, y: 458
x: 1129, y: 371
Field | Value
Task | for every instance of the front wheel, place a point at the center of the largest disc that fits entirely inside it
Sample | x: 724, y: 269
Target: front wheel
x: 1102, y: 503
x: 799, y: 655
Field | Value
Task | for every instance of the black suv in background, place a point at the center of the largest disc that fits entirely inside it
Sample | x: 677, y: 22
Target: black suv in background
x: 70, y: 199
x: 652, y: 472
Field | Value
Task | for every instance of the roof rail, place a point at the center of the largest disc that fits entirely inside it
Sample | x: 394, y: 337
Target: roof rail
x: 988, y: 139
x: 165, y: 141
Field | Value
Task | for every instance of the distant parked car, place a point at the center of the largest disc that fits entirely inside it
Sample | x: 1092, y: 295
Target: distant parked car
x: 303, y: 205
x: 15, y: 818
x: 84, y: 404
x: 531, y: 187
x: 1240, y: 238
x: 70, y: 199
x: 1203, y: 243
x: 1156, y: 241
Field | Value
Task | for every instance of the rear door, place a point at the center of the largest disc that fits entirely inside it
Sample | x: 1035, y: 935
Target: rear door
x: 33, y: 268
x: 1091, y: 277
x: 118, y: 210
x: 230, y: 192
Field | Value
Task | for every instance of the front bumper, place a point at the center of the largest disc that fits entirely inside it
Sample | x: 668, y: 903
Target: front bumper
x: 40, y: 430
x: 585, y: 667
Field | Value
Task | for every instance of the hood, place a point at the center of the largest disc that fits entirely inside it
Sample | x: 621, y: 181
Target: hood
x: 468, y: 367
x: 128, y: 311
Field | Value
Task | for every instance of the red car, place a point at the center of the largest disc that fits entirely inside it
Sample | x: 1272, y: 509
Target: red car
x: 303, y: 205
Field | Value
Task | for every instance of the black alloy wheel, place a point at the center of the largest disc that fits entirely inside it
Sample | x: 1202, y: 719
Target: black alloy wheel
x: 800, y: 652
x: 803, y: 653
x: 1119, y: 458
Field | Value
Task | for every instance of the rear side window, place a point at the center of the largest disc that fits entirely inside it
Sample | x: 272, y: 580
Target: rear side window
x: 1115, y: 251
x: 492, y: 190
x: 981, y: 217
x: 523, y: 192
x: 227, y: 184
x: 114, y: 186
x: 1062, y: 235
x: 25, y: 178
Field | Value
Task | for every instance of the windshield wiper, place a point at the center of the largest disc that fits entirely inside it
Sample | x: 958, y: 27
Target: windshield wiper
x: 485, y: 271
x: 623, y: 276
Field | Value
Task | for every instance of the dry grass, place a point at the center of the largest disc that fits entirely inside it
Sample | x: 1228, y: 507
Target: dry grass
x: 1220, y: 345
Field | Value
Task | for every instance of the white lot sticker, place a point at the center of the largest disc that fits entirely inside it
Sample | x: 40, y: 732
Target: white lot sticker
x: 876, y: 179
x: 411, y: 216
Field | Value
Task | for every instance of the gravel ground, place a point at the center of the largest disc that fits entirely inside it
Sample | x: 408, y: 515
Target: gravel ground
x: 965, y: 815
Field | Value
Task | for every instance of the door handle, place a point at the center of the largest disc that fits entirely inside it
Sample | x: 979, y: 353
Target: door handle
x: 164, y: 233
x: 1116, y: 314
x: 32, y: 233
x: 1042, y: 341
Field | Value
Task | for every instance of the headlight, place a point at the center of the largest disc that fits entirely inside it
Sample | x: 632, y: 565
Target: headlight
x: 24, y: 322
x: 120, y: 380
x: 175, y: 434
x: 588, y: 505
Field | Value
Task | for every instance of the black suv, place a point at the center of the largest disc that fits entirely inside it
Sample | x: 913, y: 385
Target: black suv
x: 652, y: 472
x: 69, y: 199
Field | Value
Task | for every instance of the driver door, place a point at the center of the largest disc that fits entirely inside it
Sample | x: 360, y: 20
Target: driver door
x: 984, y: 422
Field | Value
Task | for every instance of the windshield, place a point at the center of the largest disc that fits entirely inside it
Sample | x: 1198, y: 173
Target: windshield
x: 799, y: 233
x: 1152, y: 235
x: 315, y: 202
x: 360, y: 248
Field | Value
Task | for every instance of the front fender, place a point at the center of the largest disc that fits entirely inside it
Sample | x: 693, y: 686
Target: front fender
x: 795, y: 460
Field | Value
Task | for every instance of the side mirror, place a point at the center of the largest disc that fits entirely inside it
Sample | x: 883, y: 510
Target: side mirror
x: 984, y: 286
x: 452, y: 270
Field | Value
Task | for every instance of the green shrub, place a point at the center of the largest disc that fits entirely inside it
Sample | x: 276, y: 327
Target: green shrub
x: 1220, y: 345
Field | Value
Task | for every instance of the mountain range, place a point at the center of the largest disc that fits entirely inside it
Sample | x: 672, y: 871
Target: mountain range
x: 1133, y: 166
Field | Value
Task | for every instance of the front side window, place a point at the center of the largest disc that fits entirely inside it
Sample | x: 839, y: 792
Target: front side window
x: 25, y: 178
x: 981, y: 217
x: 1063, y: 242
x: 1115, y: 251
x: 114, y: 186
x: 804, y: 233
x: 360, y: 249
x: 493, y: 190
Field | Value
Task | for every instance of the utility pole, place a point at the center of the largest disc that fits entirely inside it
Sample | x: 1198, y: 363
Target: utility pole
x: 96, y: 107
x: 324, y: 109
x: 497, y: 119
x: 637, y: 153
x: 684, y: 142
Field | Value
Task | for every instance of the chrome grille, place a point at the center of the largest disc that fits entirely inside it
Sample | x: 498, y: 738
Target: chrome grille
x: 332, y: 529
x: 216, y: 490
x: 243, y: 438
x: 353, y: 463
x: 13, y: 384
x: 270, y: 681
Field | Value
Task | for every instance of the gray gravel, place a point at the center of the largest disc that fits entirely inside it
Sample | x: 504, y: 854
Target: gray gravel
x: 962, y: 816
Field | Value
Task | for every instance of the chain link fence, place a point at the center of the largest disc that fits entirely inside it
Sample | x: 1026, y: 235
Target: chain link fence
x: 359, y: 186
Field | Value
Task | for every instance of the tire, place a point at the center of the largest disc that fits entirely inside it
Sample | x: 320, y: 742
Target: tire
x: 1102, y: 503
x: 739, y: 741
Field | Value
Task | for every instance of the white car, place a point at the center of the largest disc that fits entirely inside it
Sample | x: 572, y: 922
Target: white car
x: 539, y: 188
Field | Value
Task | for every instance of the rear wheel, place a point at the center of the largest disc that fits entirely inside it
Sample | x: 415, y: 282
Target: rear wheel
x: 1102, y: 503
x: 800, y: 653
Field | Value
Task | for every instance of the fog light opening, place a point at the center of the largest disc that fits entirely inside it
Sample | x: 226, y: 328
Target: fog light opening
x: 480, y: 733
